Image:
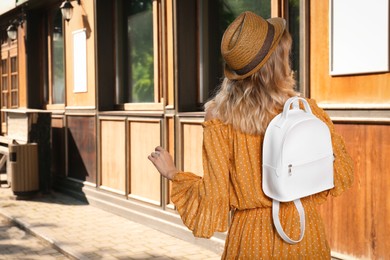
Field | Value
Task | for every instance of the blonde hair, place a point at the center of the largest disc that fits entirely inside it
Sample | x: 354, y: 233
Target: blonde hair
x: 250, y: 104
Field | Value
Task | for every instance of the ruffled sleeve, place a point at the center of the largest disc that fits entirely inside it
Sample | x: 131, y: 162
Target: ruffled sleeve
x: 343, y: 164
x: 203, y: 202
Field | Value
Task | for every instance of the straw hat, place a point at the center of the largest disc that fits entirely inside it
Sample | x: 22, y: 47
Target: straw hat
x: 248, y: 42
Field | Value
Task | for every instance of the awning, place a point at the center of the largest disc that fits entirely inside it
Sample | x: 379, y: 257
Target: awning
x: 20, y: 2
x: 8, y: 5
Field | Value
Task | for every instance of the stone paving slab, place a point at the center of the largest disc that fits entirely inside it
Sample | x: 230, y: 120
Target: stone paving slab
x: 16, y: 243
x: 82, y: 231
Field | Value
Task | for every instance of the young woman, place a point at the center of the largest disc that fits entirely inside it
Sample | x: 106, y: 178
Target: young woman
x: 258, y: 81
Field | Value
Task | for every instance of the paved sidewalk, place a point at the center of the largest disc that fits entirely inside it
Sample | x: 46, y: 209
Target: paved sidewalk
x: 82, y: 231
x: 16, y: 243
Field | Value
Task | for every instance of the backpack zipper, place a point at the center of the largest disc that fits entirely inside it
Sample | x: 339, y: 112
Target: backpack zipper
x: 307, y: 162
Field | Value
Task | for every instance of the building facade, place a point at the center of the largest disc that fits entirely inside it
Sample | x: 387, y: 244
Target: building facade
x: 121, y: 77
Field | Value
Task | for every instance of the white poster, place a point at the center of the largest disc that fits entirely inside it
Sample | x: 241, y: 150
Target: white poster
x: 6, y: 5
x: 79, y: 61
x: 359, y: 36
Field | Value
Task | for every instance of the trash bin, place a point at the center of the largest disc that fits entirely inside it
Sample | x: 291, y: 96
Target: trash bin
x: 23, y: 168
x: 27, y: 126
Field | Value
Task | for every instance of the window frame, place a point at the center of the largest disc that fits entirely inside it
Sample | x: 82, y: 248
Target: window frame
x: 50, y: 63
x: 304, y: 43
x: 120, y: 99
x: 9, y: 51
x: 13, y: 86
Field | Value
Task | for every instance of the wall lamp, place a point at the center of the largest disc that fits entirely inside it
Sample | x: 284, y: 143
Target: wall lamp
x: 67, y: 9
x: 12, y: 29
x: 12, y: 32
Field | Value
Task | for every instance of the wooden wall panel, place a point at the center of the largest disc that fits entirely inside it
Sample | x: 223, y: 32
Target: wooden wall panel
x: 145, y: 181
x: 113, y: 154
x: 171, y: 148
x: 357, y: 222
x: 191, y: 144
x: 360, y: 90
x: 171, y: 134
x: 22, y: 73
x: 58, y: 146
x: 81, y: 141
x: 83, y: 18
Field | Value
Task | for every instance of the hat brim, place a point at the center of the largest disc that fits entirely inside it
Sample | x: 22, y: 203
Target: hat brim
x: 279, y: 26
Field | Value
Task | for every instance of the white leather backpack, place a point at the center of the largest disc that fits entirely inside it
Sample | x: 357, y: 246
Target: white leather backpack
x: 297, y: 160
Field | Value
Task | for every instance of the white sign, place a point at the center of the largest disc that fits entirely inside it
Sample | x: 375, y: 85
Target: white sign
x: 6, y: 5
x: 79, y: 61
x: 359, y: 36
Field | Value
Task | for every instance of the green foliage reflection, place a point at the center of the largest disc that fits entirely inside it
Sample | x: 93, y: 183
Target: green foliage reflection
x: 219, y: 14
x: 58, y: 82
x: 140, y: 50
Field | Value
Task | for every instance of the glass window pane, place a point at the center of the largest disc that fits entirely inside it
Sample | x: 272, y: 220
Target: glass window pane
x: 139, y: 48
x: 4, y: 83
x: 58, y: 83
x: 4, y: 68
x: 4, y: 100
x: 14, y: 82
x: 14, y: 99
x: 293, y: 22
x: 215, y: 17
x: 13, y: 65
x: 233, y: 8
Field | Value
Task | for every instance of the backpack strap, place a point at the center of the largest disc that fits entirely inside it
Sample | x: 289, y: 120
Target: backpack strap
x: 294, y: 101
x: 279, y: 228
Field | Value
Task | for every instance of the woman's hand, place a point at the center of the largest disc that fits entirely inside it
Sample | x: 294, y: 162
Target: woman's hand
x: 163, y: 162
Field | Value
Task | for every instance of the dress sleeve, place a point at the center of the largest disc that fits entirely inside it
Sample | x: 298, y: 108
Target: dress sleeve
x: 343, y: 164
x: 203, y: 202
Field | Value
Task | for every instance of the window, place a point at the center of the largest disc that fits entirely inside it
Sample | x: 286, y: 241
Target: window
x: 4, y: 82
x: 4, y: 88
x: 137, y: 52
x: 214, y: 17
x: 293, y: 11
x: 56, y: 59
x: 9, y: 78
x: 14, y: 88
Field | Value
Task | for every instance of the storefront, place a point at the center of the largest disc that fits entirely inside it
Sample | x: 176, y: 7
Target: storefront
x: 121, y: 77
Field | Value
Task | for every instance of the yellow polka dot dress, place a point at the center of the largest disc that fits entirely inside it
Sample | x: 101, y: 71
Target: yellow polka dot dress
x: 232, y: 182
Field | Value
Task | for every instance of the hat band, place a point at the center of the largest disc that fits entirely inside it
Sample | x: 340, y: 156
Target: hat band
x: 262, y: 52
